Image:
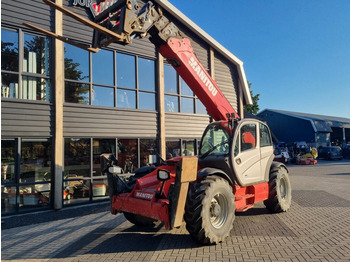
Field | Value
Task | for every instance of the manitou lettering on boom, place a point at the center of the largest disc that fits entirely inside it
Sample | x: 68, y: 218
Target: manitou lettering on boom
x: 197, y: 68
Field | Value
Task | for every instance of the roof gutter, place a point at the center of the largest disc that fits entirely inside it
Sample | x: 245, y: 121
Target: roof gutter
x: 212, y: 42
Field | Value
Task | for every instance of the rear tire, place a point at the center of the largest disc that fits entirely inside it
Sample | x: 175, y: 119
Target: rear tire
x: 139, y: 220
x: 280, y: 191
x: 210, y: 210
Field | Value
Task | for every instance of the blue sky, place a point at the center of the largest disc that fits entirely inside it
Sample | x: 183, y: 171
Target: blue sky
x: 296, y: 53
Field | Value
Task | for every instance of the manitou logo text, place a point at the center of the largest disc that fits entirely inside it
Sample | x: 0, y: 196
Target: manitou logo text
x: 144, y: 195
x: 197, y: 68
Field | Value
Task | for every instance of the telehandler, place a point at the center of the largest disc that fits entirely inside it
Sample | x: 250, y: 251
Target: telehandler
x: 235, y: 167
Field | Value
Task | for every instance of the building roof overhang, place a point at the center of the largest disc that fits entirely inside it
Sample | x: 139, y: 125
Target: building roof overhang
x: 213, y: 43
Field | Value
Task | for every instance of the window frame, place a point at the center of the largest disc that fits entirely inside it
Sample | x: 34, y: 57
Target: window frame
x: 180, y: 96
x: 21, y: 73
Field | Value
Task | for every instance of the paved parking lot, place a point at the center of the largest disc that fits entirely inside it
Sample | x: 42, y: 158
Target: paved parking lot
x: 316, y: 228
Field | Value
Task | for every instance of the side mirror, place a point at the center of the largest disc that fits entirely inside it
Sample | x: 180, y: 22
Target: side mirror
x: 163, y: 174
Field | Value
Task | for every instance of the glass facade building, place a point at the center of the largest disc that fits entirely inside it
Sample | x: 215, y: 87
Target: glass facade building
x: 123, y: 100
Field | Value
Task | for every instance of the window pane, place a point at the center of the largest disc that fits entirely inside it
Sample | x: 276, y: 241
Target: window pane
x: 146, y: 74
x: 101, y: 146
x: 171, y: 103
x: 188, y: 147
x: 36, y: 54
x: 265, y: 139
x: 200, y: 108
x: 77, y: 93
x: 148, y: 149
x: 76, y: 63
x: 185, y: 89
x: 103, y: 96
x: 76, y: 158
x: 248, y: 137
x: 170, y: 82
x: 147, y: 101
x: 187, y: 105
x: 35, y: 160
x: 103, y: 67
x: 76, y: 190
x: 8, y: 153
x: 126, y: 98
x: 9, y: 199
x: 9, y: 50
x: 127, y: 154
x: 34, y: 88
x: 126, y: 74
x: 9, y: 85
x: 172, y: 149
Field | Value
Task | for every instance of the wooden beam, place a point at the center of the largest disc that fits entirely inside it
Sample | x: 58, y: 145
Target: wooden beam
x: 62, y: 38
x: 85, y: 21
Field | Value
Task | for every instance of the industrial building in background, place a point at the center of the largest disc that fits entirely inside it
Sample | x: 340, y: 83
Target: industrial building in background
x: 315, y: 130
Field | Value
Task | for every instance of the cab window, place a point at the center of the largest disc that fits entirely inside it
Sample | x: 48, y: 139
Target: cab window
x: 248, y: 137
x: 265, y: 138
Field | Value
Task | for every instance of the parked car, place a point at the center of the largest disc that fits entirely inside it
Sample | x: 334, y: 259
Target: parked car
x: 330, y: 153
x: 281, y: 155
x: 346, y: 151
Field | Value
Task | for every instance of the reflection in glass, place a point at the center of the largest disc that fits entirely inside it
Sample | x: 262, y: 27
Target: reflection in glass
x: 77, y: 93
x: 36, y: 54
x: 35, y: 160
x: 9, y: 50
x: 9, y: 85
x: 171, y: 103
x: 147, y: 101
x: 127, y: 154
x: 9, y: 199
x: 76, y: 63
x: 187, y: 105
x: 8, y: 153
x: 185, y: 89
x: 188, y: 147
x: 34, y: 88
x: 101, y: 146
x: 172, y: 149
x: 170, y: 82
x: 103, y: 67
x: 76, y: 158
x: 126, y: 74
x: 146, y: 74
x: 76, y: 190
x: 148, y: 152
x: 126, y: 98
x: 103, y: 96
x: 200, y: 108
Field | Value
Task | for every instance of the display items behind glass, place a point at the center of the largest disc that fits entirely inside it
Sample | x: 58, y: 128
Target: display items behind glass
x: 32, y: 187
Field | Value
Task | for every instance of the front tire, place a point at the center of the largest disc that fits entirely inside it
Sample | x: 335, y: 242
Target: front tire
x: 280, y: 191
x: 210, y: 210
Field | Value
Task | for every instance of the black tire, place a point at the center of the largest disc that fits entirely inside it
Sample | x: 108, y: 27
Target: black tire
x: 210, y: 210
x: 139, y: 220
x: 280, y: 191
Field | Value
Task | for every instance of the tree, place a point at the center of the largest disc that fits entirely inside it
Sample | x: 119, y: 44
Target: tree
x: 254, y: 108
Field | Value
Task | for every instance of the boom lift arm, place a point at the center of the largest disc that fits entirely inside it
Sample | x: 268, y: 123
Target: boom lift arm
x: 121, y: 21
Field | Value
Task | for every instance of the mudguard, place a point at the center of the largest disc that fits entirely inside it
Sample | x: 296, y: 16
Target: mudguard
x: 208, y: 171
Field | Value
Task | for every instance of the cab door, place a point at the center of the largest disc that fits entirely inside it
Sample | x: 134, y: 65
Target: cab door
x: 247, y: 154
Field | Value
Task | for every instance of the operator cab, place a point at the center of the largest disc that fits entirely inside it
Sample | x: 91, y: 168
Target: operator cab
x: 243, y: 148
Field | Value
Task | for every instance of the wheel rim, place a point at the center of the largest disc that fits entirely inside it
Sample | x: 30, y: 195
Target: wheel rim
x: 218, y: 211
x: 283, y: 189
